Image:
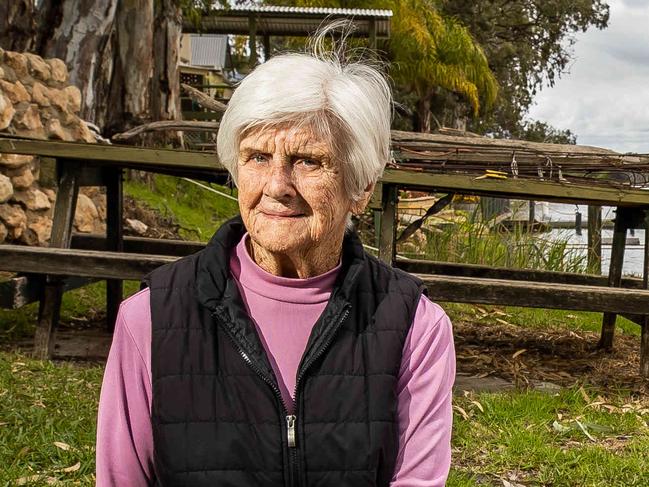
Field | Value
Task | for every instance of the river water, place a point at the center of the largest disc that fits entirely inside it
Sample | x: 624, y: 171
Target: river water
x: 633, y: 256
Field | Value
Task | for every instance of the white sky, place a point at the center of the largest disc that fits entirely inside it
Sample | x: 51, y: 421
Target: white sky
x: 604, y: 98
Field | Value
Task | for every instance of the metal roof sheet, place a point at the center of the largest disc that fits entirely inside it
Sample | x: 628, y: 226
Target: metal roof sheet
x: 288, y: 21
x: 307, y: 10
x: 208, y: 50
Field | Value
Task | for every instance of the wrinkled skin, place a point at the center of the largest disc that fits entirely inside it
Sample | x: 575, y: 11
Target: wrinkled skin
x: 293, y: 201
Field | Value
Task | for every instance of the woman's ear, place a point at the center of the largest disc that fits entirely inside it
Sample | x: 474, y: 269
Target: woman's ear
x: 358, y: 206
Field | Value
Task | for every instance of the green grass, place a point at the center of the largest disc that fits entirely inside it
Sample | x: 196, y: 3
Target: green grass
x: 42, y: 403
x: 198, y: 211
x: 83, y: 304
x: 535, y: 438
x: 510, y: 435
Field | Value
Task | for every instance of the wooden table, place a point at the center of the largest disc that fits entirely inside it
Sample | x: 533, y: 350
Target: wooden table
x: 114, y: 257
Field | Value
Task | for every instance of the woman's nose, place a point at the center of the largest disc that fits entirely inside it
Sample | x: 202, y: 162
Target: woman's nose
x: 279, y: 183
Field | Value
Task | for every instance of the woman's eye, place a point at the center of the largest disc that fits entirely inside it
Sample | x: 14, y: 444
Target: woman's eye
x: 259, y: 158
x: 309, y: 163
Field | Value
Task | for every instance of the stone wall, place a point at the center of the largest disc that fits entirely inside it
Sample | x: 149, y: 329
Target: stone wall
x: 36, y: 100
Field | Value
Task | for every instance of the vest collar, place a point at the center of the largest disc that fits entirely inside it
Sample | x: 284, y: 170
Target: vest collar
x: 218, y: 292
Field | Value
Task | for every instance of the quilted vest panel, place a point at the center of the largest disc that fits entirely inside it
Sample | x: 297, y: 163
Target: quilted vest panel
x: 217, y: 416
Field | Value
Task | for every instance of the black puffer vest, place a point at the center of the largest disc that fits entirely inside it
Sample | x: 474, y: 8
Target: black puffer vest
x: 218, y: 416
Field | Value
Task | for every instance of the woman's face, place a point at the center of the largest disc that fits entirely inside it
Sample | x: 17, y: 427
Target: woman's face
x: 291, y: 191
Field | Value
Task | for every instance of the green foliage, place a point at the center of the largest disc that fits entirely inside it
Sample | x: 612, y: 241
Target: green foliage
x: 472, y: 241
x: 528, y: 44
x: 428, y: 52
x: 537, y: 131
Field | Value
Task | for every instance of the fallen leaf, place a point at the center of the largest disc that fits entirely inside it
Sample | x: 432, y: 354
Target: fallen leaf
x: 73, y: 468
x: 521, y: 351
x: 28, y: 480
x: 462, y: 412
x: 478, y: 405
x: 61, y: 445
x: 559, y: 428
x: 584, y: 430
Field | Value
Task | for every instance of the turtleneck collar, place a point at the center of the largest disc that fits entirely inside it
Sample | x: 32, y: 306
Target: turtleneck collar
x: 312, y: 290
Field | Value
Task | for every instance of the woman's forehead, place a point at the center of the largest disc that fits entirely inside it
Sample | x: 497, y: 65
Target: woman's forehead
x: 285, y: 139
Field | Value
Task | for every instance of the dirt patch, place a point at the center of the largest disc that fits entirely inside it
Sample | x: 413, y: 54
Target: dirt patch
x: 526, y: 356
x: 159, y: 225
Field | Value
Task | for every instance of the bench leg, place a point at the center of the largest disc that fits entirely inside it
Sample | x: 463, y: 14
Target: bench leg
x: 114, y: 236
x: 644, y: 340
x: 50, y: 306
x: 387, y: 235
x: 614, y: 275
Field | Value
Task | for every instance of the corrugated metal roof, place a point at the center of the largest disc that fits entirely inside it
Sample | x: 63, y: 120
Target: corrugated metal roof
x: 208, y: 50
x: 308, y: 10
x: 289, y: 21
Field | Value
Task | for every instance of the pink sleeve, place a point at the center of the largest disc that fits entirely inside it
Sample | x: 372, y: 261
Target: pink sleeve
x: 124, y: 436
x: 424, y: 400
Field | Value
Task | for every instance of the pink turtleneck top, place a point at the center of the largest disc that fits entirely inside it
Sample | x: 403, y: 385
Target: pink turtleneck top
x: 284, y: 311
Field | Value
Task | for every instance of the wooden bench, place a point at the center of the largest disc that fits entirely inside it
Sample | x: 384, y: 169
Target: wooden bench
x: 116, y: 258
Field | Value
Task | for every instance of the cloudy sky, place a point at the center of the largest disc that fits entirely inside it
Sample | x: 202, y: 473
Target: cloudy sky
x: 604, y: 98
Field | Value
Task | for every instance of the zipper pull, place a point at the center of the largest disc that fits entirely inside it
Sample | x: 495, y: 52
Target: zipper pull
x: 290, y: 430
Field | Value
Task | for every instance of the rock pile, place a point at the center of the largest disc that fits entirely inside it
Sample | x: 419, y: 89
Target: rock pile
x: 36, y: 100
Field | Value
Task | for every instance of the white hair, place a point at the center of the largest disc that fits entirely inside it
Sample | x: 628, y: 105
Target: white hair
x: 347, y: 103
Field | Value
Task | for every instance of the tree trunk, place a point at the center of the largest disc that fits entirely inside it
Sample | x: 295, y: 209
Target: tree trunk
x: 165, y: 89
x: 423, y: 114
x: 17, y: 25
x: 79, y: 33
x: 128, y: 103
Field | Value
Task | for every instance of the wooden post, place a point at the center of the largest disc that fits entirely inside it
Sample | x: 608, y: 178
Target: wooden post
x: 267, y: 53
x: 531, y: 215
x: 50, y: 305
x: 252, y: 41
x: 644, y: 339
x: 387, y: 237
x: 595, y: 239
x: 622, y: 218
x: 114, y: 237
x: 372, y: 34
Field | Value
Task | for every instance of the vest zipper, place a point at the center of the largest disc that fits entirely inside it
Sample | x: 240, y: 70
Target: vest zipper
x: 291, y: 419
x: 319, y: 353
x: 290, y: 430
x: 290, y: 424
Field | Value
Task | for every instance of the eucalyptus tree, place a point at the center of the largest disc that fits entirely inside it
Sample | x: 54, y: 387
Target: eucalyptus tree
x: 122, y: 54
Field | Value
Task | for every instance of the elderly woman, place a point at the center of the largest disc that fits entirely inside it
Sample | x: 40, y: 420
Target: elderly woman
x: 283, y: 354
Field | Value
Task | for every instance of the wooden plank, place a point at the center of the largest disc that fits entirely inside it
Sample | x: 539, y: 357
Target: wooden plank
x: 644, y: 338
x: 106, y: 265
x: 387, y: 236
x: 483, y: 271
x: 122, y: 156
x: 85, y: 263
x: 595, y: 239
x: 50, y: 305
x: 446, y: 141
x: 525, y: 189
x: 534, y: 294
x: 139, y: 245
x: 622, y: 219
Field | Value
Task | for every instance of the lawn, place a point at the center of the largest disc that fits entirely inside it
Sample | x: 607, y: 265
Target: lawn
x: 585, y: 433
